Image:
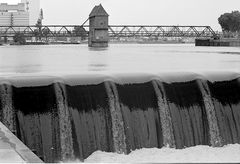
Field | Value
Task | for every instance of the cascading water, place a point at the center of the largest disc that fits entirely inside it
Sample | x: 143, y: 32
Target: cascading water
x: 226, y: 101
x: 188, y: 114
x: 38, y: 120
x: 62, y: 121
x: 90, y: 118
x: 140, y: 113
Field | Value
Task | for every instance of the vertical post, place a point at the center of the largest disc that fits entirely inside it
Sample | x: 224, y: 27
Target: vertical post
x: 215, y: 137
x: 98, y: 27
x: 165, y: 116
x: 64, y: 123
x: 119, y: 137
x: 8, y: 113
x: 5, y: 39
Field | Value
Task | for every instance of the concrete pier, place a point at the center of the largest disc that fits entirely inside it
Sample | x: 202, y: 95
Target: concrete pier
x: 218, y: 42
x: 12, y: 150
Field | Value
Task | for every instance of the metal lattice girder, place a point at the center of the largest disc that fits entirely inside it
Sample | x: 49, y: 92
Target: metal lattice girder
x: 115, y: 31
x: 160, y: 31
x: 43, y: 31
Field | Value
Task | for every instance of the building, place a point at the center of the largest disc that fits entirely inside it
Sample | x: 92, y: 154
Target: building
x: 13, y: 15
x: 98, y: 27
x: 33, y: 7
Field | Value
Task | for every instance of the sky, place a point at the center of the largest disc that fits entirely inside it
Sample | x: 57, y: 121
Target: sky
x: 138, y: 12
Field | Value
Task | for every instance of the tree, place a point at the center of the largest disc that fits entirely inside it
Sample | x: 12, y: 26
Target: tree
x: 80, y: 32
x: 46, y: 32
x: 230, y: 22
x: 19, y: 38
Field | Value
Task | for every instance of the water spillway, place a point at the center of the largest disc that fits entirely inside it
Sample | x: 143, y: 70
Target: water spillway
x: 64, y: 119
x: 188, y: 114
x: 226, y: 99
x: 90, y: 119
x: 37, y: 120
x: 140, y: 113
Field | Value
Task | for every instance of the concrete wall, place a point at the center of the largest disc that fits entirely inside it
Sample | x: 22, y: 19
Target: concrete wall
x: 100, y: 22
x: 5, y: 19
x: 98, y: 31
x: 17, y: 7
x: 218, y: 43
x: 101, y: 35
x: 14, y: 18
x: 21, y: 18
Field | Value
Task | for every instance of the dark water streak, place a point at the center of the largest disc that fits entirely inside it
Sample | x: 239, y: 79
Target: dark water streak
x: 90, y: 119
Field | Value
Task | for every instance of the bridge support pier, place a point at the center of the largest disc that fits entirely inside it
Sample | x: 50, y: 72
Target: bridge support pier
x: 5, y: 40
x: 98, y: 27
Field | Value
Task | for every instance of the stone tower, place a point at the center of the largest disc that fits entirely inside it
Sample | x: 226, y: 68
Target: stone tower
x: 98, y: 27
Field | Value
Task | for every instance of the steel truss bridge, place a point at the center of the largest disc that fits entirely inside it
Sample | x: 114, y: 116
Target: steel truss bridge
x: 115, y: 31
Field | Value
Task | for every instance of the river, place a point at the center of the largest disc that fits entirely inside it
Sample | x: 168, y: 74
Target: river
x: 117, y: 58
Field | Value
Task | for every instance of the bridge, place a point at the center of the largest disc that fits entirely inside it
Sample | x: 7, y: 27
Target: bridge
x: 114, y: 31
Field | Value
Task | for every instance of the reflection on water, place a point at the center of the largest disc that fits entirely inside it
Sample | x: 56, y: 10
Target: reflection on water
x: 123, y: 58
x: 98, y: 49
x: 20, y: 59
x: 25, y: 69
x: 98, y: 59
x: 97, y: 67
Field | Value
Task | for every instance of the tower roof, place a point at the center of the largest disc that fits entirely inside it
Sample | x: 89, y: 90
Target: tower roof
x: 98, y: 11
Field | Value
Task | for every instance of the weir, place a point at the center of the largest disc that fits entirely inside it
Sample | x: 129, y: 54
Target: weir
x: 63, y: 119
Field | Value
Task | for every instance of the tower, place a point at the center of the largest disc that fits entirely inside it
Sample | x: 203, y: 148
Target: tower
x: 33, y: 7
x: 98, y: 27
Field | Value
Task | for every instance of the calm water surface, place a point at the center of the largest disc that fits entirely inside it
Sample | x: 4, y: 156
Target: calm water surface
x: 122, y: 58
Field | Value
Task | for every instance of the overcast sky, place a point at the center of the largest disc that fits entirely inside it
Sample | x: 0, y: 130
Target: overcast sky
x: 144, y: 12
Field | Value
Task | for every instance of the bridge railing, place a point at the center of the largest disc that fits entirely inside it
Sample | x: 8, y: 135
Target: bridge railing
x: 115, y: 31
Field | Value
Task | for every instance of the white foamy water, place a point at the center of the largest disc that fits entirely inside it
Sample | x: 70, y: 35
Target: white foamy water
x: 197, y: 154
